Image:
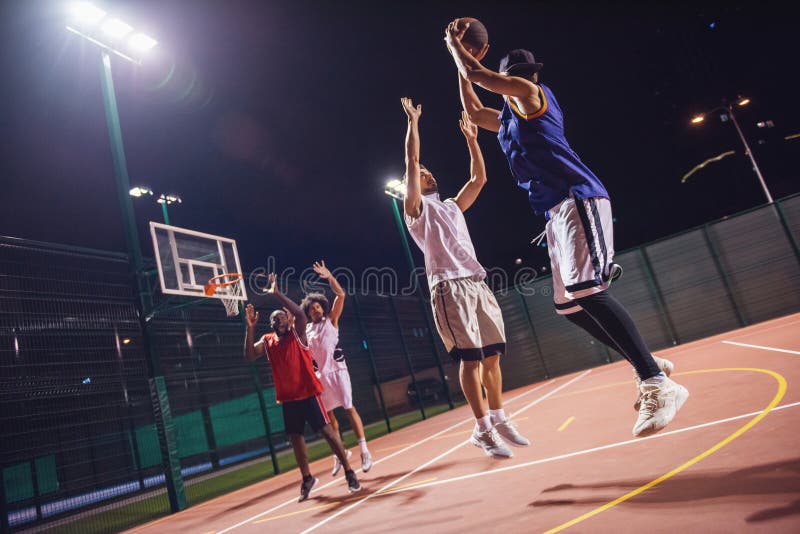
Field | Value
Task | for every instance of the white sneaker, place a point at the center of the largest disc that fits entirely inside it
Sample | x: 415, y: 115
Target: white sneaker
x: 337, y: 465
x: 664, y: 365
x: 660, y: 401
x: 510, y: 433
x: 366, y: 462
x: 491, y: 443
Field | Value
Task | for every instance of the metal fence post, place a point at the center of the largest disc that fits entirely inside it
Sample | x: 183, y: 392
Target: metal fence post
x: 375, y: 378
x: 408, y: 358
x: 653, y: 283
x: 533, y: 333
x: 787, y: 230
x: 723, y: 276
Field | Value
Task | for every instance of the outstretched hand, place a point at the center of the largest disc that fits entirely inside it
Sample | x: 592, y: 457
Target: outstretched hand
x: 453, y: 33
x: 468, y: 128
x: 322, y: 271
x: 412, y: 112
x: 272, y: 288
x: 251, y: 315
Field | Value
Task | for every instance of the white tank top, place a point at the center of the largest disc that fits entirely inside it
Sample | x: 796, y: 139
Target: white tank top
x: 323, y: 338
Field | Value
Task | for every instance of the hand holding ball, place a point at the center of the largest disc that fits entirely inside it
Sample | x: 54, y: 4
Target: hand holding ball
x: 475, y: 36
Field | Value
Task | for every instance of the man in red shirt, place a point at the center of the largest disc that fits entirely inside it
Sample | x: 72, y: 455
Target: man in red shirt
x: 297, y: 388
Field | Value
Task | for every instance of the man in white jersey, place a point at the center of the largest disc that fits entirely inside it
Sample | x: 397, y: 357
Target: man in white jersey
x: 466, y: 313
x: 322, y: 332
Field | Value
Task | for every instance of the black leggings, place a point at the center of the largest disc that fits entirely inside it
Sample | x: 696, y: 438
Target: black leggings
x: 612, y: 325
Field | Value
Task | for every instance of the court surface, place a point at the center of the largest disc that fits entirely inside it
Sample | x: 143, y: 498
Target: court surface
x: 730, y: 461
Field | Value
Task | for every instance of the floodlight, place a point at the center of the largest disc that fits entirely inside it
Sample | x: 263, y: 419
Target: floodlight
x: 140, y: 191
x: 698, y: 119
x: 141, y: 42
x: 86, y: 13
x: 116, y: 29
x: 743, y: 102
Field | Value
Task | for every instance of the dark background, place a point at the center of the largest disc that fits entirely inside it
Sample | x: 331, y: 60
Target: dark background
x: 278, y: 123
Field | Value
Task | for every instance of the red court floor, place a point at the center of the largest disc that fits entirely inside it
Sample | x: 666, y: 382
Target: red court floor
x: 729, y: 462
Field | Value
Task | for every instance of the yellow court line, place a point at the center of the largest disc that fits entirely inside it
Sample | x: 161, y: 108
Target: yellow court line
x: 398, y: 488
x: 566, y: 423
x: 775, y: 400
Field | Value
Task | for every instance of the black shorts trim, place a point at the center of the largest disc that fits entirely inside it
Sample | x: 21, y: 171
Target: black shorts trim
x: 583, y: 285
x: 297, y: 413
x: 476, y: 355
x: 566, y: 305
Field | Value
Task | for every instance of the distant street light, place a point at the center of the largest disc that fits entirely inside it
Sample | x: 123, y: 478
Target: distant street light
x: 728, y: 107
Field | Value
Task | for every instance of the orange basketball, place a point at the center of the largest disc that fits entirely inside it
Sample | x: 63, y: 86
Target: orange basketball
x: 476, y: 36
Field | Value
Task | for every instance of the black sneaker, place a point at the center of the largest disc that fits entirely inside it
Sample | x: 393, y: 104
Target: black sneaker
x: 305, y: 488
x: 353, y: 484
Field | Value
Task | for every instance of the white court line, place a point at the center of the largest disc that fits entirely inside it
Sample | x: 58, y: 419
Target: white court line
x: 595, y: 449
x: 338, y: 480
x: 773, y: 349
x: 437, y: 458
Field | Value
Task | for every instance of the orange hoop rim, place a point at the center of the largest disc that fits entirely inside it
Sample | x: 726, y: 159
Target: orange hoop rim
x: 211, y: 286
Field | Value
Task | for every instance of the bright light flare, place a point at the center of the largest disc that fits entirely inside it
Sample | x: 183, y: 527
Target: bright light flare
x: 698, y: 119
x: 86, y: 13
x: 116, y: 29
x: 142, y: 42
x: 743, y: 102
x: 169, y: 199
x: 395, y: 188
x: 140, y: 191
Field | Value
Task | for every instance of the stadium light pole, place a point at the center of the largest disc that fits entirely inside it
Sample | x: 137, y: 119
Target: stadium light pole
x: 396, y: 189
x: 114, y: 36
x: 728, y: 107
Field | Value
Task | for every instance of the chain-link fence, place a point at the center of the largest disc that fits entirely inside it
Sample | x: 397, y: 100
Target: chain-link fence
x: 82, y: 447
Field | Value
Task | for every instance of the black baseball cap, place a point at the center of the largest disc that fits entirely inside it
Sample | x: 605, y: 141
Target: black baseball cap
x: 520, y: 62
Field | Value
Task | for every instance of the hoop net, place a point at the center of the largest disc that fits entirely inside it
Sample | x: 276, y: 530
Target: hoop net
x: 231, y: 287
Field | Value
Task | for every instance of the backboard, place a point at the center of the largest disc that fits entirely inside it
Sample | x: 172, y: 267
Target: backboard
x: 187, y: 260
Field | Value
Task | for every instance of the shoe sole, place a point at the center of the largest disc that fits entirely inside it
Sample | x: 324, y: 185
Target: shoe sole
x: 354, y: 490
x: 489, y: 453
x: 680, y: 398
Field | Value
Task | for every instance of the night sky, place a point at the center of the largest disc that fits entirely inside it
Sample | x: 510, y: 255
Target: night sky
x: 280, y: 121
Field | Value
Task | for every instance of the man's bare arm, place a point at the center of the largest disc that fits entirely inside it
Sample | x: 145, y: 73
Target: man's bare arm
x: 471, y: 69
x: 338, y: 301
x: 290, y: 305
x: 486, y: 118
x: 477, y: 170
x: 413, y: 201
x: 252, y: 351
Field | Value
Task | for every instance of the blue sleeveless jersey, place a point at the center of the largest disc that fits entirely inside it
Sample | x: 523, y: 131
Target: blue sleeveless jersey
x: 540, y: 157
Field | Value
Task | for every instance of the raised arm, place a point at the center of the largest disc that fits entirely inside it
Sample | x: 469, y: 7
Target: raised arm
x: 486, y: 118
x: 477, y: 169
x: 338, y: 301
x: 289, y: 304
x: 252, y: 351
x: 413, y: 201
x: 472, y: 70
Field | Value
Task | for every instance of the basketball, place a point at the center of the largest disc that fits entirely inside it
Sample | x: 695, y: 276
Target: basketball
x: 476, y: 36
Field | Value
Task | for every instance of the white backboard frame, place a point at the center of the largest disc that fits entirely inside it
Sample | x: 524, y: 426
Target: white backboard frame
x: 191, y: 286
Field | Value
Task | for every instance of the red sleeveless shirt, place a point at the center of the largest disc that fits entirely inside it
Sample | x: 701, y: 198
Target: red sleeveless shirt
x: 292, y: 367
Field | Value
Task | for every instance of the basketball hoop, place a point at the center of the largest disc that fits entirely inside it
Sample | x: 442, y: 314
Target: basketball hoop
x: 232, y: 294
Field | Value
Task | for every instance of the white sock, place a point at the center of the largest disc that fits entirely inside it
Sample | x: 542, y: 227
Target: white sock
x: 498, y: 416
x: 484, y: 423
x: 363, y: 444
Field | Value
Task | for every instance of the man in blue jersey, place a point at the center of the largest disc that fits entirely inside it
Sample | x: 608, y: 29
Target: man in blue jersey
x: 577, y: 208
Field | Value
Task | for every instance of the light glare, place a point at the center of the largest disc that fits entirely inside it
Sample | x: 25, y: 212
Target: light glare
x: 744, y: 101
x: 116, y: 29
x: 139, y: 191
x: 142, y: 42
x: 698, y: 119
x: 87, y: 13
